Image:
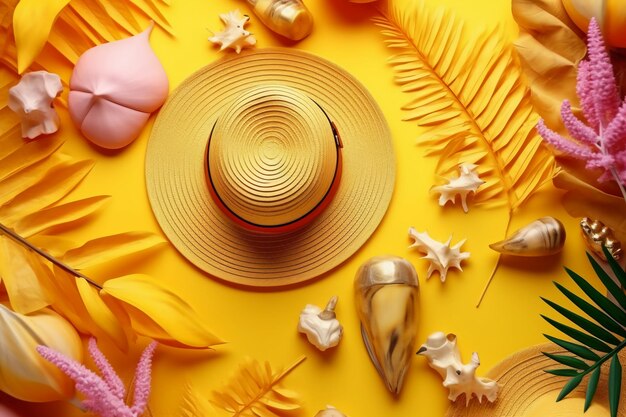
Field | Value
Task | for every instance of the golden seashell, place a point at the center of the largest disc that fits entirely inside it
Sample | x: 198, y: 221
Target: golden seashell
x: 610, y: 14
x: 596, y: 234
x: 289, y: 18
x: 386, y: 292
x: 542, y: 237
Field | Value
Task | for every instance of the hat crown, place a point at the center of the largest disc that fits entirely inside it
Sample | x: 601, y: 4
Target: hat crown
x: 272, y: 157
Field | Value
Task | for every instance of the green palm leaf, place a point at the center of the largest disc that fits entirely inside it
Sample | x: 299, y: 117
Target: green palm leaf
x: 601, y: 301
x: 608, y: 282
x: 569, y: 387
x: 617, y: 269
x: 598, y: 343
x: 570, y: 361
x: 563, y: 372
x: 592, y: 386
x: 596, y: 314
x: 576, y: 349
x: 590, y: 341
x: 615, y: 384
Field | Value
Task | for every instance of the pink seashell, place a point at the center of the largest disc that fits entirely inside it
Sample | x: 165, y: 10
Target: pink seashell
x: 114, y: 88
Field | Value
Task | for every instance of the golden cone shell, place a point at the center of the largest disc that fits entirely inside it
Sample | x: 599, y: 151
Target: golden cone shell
x: 545, y: 236
x: 386, y: 294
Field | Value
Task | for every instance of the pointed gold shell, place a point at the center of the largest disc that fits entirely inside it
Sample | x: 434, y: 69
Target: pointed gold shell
x: 386, y: 293
x: 545, y: 236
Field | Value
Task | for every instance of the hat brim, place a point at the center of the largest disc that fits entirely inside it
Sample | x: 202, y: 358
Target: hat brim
x: 526, y: 390
x: 180, y: 198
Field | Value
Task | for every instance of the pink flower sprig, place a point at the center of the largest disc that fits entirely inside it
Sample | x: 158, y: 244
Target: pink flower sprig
x: 105, y: 395
x: 601, y: 142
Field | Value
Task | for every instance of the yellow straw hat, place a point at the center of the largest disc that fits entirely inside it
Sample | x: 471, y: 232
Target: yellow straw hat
x: 269, y: 168
x: 527, y: 391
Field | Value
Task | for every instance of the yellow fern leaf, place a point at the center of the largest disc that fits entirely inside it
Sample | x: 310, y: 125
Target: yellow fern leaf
x: 255, y: 391
x: 469, y: 98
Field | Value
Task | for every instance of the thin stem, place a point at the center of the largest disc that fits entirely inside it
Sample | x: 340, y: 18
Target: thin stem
x: 497, y: 265
x: 612, y: 169
x: 19, y: 239
x: 619, y: 183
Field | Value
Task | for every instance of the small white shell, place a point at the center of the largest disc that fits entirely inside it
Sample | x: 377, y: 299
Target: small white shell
x: 467, y: 182
x: 234, y: 35
x: 545, y: 236
x: 440, y: 255
x: 444, y: 357
x: 330, y: 411
x: 32, y: 100
x: 321, y: 328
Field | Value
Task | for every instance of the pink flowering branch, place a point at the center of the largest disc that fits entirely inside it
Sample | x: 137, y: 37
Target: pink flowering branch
x: 601, y: 142
x: 105, y: 395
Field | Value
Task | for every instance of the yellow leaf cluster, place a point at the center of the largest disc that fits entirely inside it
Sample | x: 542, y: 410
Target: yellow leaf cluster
x: 255, y: 391
x: 466, y: 91
x: 69, y: 27
x: 36, y: 181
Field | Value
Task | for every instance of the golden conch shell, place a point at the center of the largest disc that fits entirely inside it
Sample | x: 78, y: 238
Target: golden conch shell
x: 542, y: 237
x: 610, y: 14
x: 289, y: 18
x: 597, y: 234
x: 386, y: 292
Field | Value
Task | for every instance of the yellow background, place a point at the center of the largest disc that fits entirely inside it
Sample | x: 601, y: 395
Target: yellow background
x: 262, y: 324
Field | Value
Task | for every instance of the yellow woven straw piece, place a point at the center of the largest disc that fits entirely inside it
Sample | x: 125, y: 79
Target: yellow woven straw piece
x: 224, y: 96
x: 527, y: 391
x: 272, y: 155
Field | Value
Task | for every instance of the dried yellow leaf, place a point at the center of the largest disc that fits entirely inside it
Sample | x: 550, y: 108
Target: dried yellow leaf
x: 21, y: 279
x: 101, y: 314
x: 58, y: 182
x: 583, y: 199
x: 148, y: 302
x: 102, y: 250
x: 62, y: 214
x: 251, y: 392
x: 32, y: 22
x: 550, y: 47
x: 26, y: 155
x: 70, y: 27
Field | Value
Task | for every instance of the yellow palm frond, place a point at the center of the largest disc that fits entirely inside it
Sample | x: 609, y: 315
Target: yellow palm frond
x: 67, y: 28
x: 255, y: 392
x: 469, y: 97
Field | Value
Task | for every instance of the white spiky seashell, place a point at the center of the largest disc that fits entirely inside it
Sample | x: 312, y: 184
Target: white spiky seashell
x: 444, y: 357
x: 32, y: 100
x: 321, y: 327
x: 545, y: 236
x: 234, y: 35
x: 440, y: 255
x: 467, y: 182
